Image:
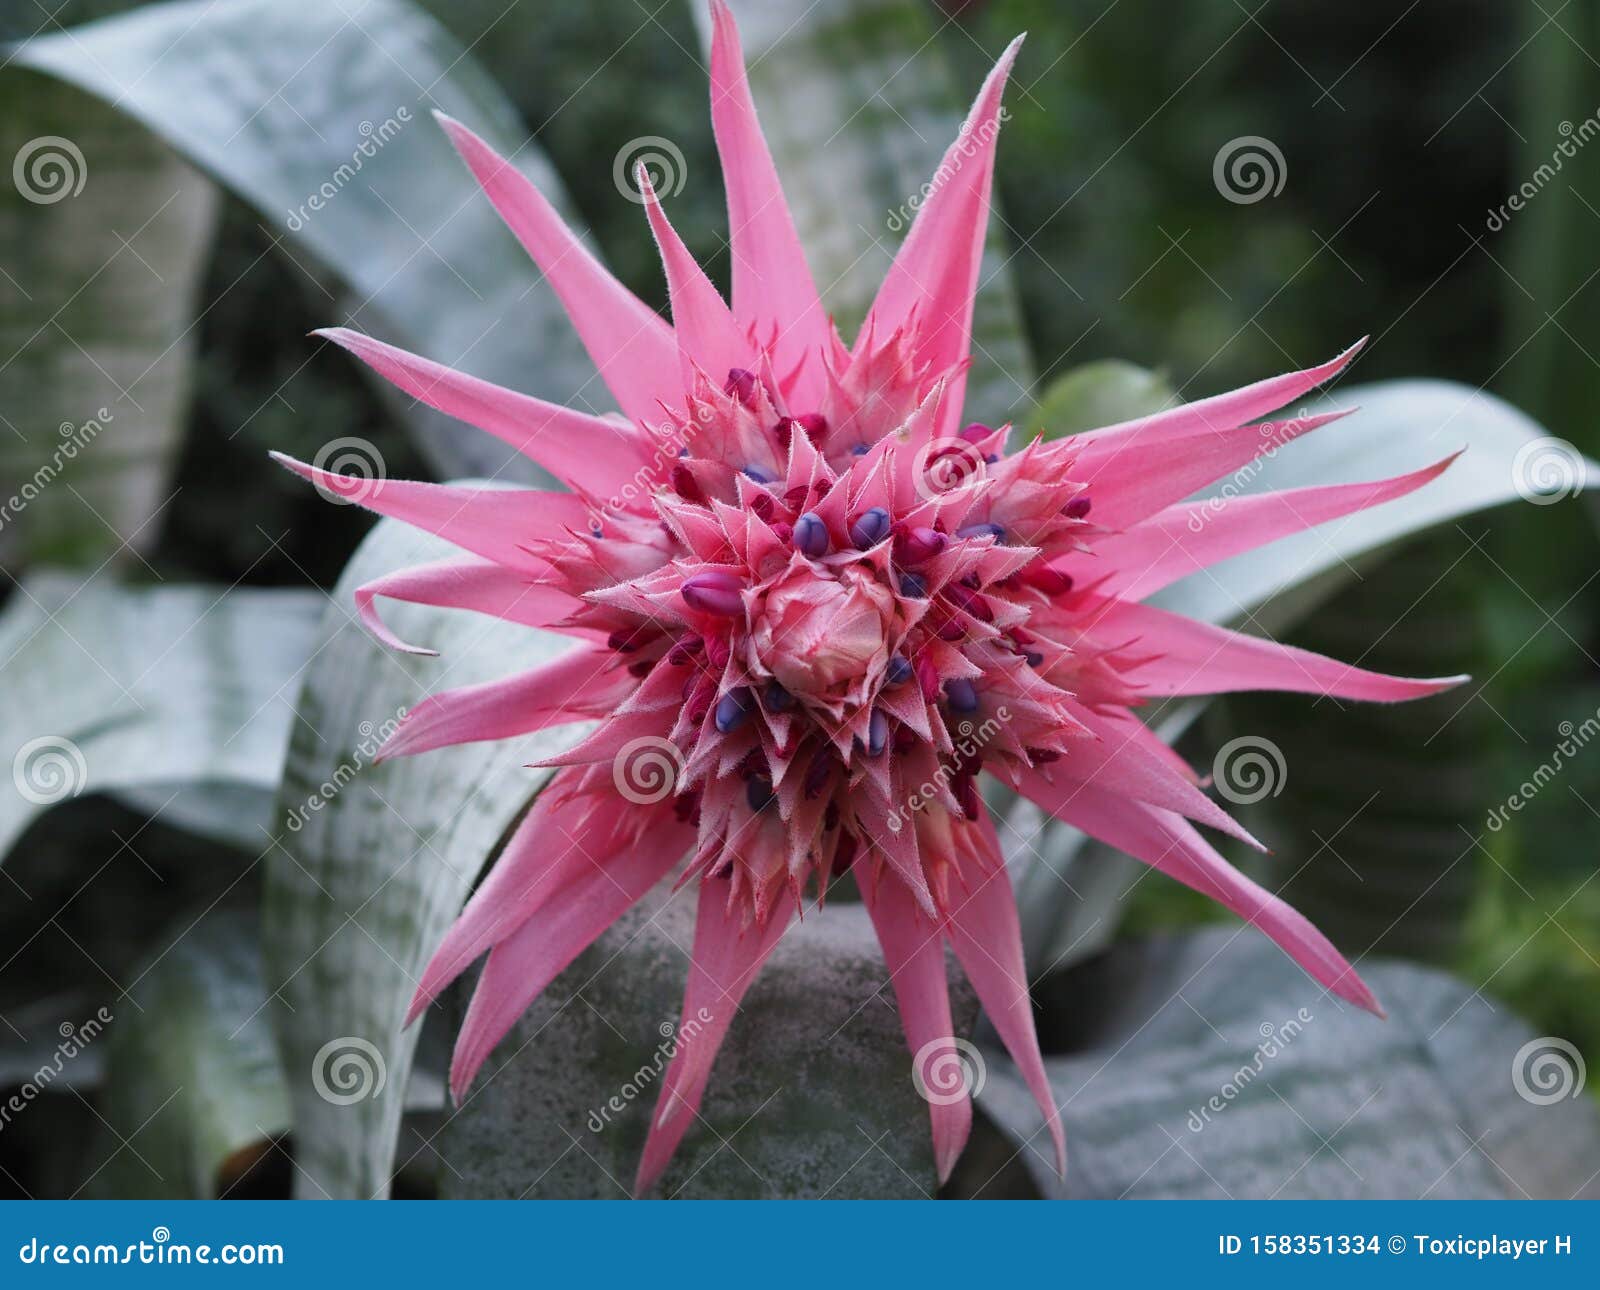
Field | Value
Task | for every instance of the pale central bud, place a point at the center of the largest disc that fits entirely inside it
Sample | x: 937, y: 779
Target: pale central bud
x: 820, y: 635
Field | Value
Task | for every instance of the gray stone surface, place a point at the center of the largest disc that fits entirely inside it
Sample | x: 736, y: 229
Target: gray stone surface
x: 811, y: 1094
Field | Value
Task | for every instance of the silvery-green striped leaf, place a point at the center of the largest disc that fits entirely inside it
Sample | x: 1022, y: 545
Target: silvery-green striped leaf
x: 372, y: 863
x: 191, y: 1073
x: 104, y: 234
x: 1401, y: 426
x: 859, y: 105
x: 1210, y: 1066
x: 111, y: 689
x: 316, y: 112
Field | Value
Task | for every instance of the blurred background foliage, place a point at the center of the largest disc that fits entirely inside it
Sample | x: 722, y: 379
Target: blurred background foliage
x: 1403, y: 128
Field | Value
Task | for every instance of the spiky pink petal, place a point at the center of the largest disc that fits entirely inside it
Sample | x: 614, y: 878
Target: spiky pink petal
x: 465, y: 583
x: 588, y: 453
x: 773, y: 291
x: 630, y: 343
x: 1192, y: 536
x: 1167, y: 842
x: 987, y: 937
x: 727, y: 954
x: 1190, y: 657
x: 934, y: 277
x: 500, y: 524
x: 562, y: 926
x: 913, y: 949
x: 581, y: 683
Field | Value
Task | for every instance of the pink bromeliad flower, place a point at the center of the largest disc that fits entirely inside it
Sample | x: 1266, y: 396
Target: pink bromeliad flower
x: 819, y: 606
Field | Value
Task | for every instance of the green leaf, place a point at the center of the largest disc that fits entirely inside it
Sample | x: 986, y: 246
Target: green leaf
x: 1100, y: 394
x: 372, y: 863
x: 110, y: 689
x: 316, y: 113
x: 1210, y: 1066
x: 1401, y: 426
x: 104, y: 234
x: 858, y: 106
x: 191, y: 1073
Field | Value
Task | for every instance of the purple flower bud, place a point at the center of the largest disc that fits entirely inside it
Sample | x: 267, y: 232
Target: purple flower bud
x: 899, y: 670
x: 877, y: 733
x: 775, y: 698
x: 1078, y: 507
x: 760, y: 474
x: 913, y: 587
x: 982, y: 530
x: 860, y: 450
x: 811, y: 535
x: 714, y: 592
x: 959, y: 693
x: 733, y: 710
x: 870, y: 528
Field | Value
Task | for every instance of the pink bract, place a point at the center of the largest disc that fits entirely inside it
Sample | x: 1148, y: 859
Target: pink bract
x: 817, y: 601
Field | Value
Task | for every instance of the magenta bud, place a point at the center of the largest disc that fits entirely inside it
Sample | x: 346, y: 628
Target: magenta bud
x: 685, y: 485
x: 914, y: 546
x: 977, y: 432
x: 715, y: 593
x: 741, y: 383
x: 971, y: 601
x: 1078, y: 507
